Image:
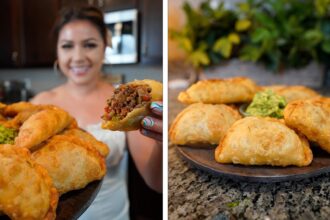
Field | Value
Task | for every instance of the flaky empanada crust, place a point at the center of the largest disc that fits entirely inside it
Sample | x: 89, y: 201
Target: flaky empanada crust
x: 70, y: 162
x: 26, y: 189
x: 220, y: 91
x: 263, y: 141
x: 293, y: 93
x: 312, y: 118
x: 201, y: 124
x: 41, y: 126
x: 101, y: 147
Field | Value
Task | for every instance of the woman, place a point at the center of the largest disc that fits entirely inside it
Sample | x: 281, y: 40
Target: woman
x: 81, y: 41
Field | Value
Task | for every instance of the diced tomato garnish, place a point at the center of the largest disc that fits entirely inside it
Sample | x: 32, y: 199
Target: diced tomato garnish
x: 145, y: 98
x: 107, y: 109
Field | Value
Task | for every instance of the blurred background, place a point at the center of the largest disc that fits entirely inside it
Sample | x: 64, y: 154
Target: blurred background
x: 272, y: 41
x: 28, y: 53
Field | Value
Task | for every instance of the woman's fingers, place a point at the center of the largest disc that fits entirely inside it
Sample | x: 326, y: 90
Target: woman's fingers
x: 153, y: 127
x: 152, y: 124
x: 151, y: 134
x: 157, y: 108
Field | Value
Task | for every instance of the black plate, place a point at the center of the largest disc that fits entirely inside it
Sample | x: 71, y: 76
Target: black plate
x: 203, y: 158
x: 73, y: 204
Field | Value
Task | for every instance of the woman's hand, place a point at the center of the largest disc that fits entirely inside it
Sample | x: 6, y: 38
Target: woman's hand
x: 152, y: 125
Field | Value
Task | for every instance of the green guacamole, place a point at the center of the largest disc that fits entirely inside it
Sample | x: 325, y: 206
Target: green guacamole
x: 267, y: 103
x: 7, y: 135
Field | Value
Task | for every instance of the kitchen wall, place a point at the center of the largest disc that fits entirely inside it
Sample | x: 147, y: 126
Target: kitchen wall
x: 41, y: 79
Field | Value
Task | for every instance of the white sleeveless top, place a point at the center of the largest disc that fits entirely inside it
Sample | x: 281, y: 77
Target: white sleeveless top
x: 112, y: 199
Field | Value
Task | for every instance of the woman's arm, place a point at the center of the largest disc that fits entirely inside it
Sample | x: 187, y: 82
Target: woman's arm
x: 148, y: 158
x: 146, y: 147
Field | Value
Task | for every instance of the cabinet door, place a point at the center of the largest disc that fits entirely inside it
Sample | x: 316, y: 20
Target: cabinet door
x: 25, y: 32
x: 151, y: 48
x: 10, y: 23
x: 38, y: 20
x: 111, y: 5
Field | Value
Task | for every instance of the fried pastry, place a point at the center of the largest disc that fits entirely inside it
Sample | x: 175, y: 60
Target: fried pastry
x: 70, y: 162
x: 15, y: 108
x: 263, y: 141
x: 41, y: 126
x: 201, y: 124
x: 292, y: 93
x: 89, y: 139
x: 130, y: 104
x: 312, y: 118
x: 220, y: 91
x: 26, y: 190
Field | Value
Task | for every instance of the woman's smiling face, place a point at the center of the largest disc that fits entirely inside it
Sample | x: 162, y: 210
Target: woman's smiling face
x: 80, y: 51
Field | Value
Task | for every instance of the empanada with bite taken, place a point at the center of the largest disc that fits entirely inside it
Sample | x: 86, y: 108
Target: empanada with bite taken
x: 130, y: 104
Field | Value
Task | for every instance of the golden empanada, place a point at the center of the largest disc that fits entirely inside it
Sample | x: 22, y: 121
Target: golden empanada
x: 15, y: 108
x: 220, y: 91
x: 41, y: 126
x: 90, y: 139
x: 26, y: 190
x: 70, y: 162
x: 312, y: 118
x: 202, y: 124
x: 263, y: 141
x: 292, y: 93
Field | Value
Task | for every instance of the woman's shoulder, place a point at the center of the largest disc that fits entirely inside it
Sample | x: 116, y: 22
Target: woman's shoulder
x: 46, y: 97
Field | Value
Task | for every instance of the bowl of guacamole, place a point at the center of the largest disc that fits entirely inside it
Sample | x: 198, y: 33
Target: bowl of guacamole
x: 7, y: 135
x: 265, y: 104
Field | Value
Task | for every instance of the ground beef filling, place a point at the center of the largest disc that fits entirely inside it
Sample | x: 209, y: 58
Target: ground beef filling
x: 125, y: 99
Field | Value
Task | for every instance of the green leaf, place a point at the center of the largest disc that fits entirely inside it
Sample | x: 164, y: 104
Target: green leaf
x: 250, y: 53
x: 186, y: 44
x: 242, y: 25
x: 326, y: 46
x: 199, y: 58
x: 265, y: 20
x: 223, y: 46
x: 260, y: 34
x: 234, y: 38
x: 313, y: 37
x: 244, y: 7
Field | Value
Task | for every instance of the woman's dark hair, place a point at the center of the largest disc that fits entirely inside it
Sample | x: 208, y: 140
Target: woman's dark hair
x: 88, y: 13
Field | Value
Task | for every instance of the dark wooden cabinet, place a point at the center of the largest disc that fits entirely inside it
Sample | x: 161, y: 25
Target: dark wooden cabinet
x: 26, y: 32
x: 151, y: 26
x: 25, y: 27
x: 111, y: 5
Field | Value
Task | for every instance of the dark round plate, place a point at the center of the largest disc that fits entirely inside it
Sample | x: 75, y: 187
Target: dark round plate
x: 203, y: 158
x: 73, y: 204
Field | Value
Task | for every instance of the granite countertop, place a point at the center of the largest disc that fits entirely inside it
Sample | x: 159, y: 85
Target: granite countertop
x: 195, y: 194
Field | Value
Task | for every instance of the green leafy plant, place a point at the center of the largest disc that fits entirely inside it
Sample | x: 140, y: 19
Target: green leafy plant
x: 209, y: 35
x: 277, y: 33
x: 284, y: 33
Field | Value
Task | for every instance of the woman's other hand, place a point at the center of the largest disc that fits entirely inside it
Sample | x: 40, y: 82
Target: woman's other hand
x: 152, y: 125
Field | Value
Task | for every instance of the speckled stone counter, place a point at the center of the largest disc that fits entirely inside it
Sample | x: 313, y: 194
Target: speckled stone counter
x: 195, y: 194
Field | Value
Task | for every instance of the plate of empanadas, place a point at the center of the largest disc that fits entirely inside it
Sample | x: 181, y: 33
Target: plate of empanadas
x: 285, y: 134
x: 49, y: 168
